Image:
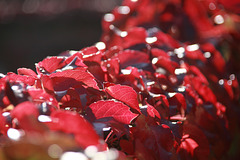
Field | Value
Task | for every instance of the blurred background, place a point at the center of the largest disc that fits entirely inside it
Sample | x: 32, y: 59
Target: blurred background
x: 30, y: 30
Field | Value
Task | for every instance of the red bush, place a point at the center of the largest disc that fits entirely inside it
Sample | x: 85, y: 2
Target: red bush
x: 160, y: 85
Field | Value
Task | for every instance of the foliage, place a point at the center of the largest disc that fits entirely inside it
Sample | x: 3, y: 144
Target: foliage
x: 159, y: 85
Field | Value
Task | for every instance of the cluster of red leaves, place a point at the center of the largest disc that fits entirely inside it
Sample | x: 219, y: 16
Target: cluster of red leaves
x: 156, y: 87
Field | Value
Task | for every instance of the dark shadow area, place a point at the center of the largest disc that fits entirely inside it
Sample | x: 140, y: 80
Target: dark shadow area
x: 28, y: 38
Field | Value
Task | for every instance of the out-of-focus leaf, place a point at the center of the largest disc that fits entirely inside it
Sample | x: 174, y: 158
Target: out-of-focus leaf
x: 26, y: 72
x: 130, y: 57
x: 194, y: 143
x: 73, y: 123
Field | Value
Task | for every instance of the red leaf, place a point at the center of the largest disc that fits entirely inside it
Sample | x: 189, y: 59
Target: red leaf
x: 161, y: 104
x: 158, y: 140
x: 95, y: 57
x: 203, y: 90
x: 152, y: 112
x: 26, y: 72
x: 159, y: 52
x: 89, y: 50
x: 12, y: 77
x: 167, y: 39
x: 40, y: 96
x: 111, y: 66
x: 50, y: 64
x: 165, y: 136
x: 73, y: 123
x: 47, y: 83
x: 112, y: 51
x: 71, y: 99
x: 113, y: 109
x: 125, y: 94
x: 162, y: 78
x: 131, y: 76
x: 194, y: 143
x: 189, y: 144
x: 166, y: 63
x: 65, y: 79
x: 221, y: 109
x: 179, y: 100
x: 96, y: 70
x: 24, y: 109
x: 86, y: 54
x: 135, y: 36
x: 131, y: 57
x: 218, y: 61
x: 199, y: 74
x: 195, y: 55
x: 192, y: 96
